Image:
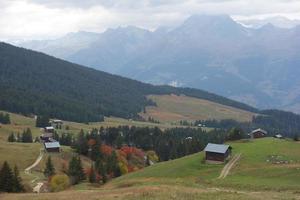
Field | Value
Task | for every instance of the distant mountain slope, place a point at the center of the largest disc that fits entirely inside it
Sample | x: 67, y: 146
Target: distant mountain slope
x: 34, y: 83
x: 214, y: 53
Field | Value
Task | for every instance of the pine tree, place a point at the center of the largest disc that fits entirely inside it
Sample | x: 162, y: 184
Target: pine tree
x: 92, y: 175
x: 11, y: 138
x: 114, y: 163
x: 6, y: 119
x: 102, y: 171
x: 75, y: 170
x: 27, y: 136
x: 42, y: 121
x: 49, y: 169
x: 6, y: 178
x: 17, y: 181
x: 80, y: 170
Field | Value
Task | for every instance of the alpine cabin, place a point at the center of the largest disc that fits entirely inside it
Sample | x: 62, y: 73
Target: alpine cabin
x: 52, y: 146
x: 217, y: 153
x: 258, y: 133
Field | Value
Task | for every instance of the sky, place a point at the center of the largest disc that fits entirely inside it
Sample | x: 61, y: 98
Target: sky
x: 46, y: 19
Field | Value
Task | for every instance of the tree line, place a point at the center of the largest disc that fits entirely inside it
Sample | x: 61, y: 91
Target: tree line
x: 168, y: 144
x: 10, y: 180
x: 25, y: 137
x: 273, y: 121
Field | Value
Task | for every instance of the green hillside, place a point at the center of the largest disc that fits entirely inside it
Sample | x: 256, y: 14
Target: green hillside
x: 255, y: 170
x: 253, y: 177
x: 34, y: 83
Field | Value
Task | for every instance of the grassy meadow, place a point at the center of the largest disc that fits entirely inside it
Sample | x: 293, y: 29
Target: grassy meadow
x: 256, y: 176
x: 173, y: 108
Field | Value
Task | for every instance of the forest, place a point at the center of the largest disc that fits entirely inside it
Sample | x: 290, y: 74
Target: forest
x: 273, y: 121
x: 33, y: 83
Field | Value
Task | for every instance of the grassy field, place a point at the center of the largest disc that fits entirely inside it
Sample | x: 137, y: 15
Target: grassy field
x: 268, y: 169
x: 266, y: 164
x: 256, y: 170
x: 256, y: 176
x: 172, y: 108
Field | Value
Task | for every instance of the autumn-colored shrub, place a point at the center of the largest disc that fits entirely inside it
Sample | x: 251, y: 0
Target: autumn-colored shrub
x: 123, y: 168
x: 106, y: 150
x: 152, y: 156
x: 59, y: 183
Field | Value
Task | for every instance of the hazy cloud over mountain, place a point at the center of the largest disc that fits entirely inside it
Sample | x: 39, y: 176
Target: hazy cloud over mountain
x: 38, y: 19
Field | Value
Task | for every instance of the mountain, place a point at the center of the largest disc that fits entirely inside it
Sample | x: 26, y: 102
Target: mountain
x: 35, y: 83
x: 65, y: 46
x: 278, y: 21
x: 215, y: 53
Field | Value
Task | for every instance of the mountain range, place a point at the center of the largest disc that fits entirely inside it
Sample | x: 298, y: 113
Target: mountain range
x: 258, y: 66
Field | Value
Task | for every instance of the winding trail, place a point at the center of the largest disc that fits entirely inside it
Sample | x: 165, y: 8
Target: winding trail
x: 225, y: 171
x: 37, y: 188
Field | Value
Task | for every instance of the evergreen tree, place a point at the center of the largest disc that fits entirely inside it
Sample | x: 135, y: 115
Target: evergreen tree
x: 92, y: 175
x: 17, y: 181
x: 75, y: 170
x: 49, y: 169
x: 27, y: 136
x: 4, y: 118
x: 42, y: 121
x: 114, y: 163
x: 81, y: 144
x: 11, y: 138
x: 102, y: 171
x: 80, y: 170
x: 6, y: 178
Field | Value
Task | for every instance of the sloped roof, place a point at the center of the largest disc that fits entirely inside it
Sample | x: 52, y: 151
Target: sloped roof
x: 49, y: 127
x: 50, y: 145
x: 260, y: 130
x: 216, y: 148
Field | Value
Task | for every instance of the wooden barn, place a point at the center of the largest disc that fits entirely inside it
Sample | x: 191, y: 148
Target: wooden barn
x: 258, y: 133
x: 49, y: 129
x: 217, y: 152
x: 52, y: 146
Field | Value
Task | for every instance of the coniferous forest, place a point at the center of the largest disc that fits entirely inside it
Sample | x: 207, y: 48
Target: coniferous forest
x: 34, y: 83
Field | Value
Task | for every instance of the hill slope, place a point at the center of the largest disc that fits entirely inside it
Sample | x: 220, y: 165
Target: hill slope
x: 34, y: 83
x: 172, y: 108
x: 189, y: 178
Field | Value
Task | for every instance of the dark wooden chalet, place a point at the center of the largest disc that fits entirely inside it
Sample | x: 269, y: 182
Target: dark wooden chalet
x: 217, y: 152
x: 258, y: 133
x: 53, y: 146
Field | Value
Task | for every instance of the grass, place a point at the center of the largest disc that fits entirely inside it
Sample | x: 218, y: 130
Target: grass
x: 20, y: 154
x: 172, y: 108
x: 256, y: 171
x: 190, y: 178
x: 256, y: 176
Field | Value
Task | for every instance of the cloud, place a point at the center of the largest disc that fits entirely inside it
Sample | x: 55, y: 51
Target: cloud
x: 35, y: 19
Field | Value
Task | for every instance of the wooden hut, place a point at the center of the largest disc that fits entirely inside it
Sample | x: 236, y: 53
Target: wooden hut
x: 217, y: 152
x: 52, y: 146
x: 258, y: 133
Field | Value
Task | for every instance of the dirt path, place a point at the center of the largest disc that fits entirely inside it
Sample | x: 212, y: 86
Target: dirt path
x: 35, y: 178
x: 225, y: 171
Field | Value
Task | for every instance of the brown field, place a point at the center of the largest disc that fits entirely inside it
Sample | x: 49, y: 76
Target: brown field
x: 162, y: 192
x: 173, y: 108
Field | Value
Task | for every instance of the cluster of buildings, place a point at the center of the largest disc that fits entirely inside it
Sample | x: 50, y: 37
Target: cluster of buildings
x: 50, y: 144
x: 219, y: 153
